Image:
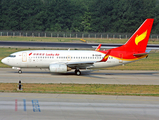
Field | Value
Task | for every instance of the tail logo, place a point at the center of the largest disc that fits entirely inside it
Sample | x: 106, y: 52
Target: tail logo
x: 30, y: 54
x: 140, y: 37
x: 106, y: 57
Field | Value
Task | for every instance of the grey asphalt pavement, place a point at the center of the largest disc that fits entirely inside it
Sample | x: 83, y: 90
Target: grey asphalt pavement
x: 64, y: 45
x: 30, y: 106
x: 7, y: 75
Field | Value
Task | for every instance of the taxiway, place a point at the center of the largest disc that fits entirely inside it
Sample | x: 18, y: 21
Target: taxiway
x: 64, y: 45
x: 134, y: 77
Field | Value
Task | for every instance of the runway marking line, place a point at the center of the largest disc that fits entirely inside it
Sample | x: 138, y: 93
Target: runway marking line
x: 36, y: 106
x: 16, y: 107
x: 24, y: 102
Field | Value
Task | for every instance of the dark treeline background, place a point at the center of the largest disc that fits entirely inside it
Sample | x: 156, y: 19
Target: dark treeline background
x: 77, y: 15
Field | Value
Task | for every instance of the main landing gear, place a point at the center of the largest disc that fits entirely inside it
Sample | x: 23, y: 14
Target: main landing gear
x: 20, y: 71
x: 78, y: 72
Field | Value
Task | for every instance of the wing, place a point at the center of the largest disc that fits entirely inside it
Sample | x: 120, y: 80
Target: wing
x: 81, y: 65
x: 87, y: 64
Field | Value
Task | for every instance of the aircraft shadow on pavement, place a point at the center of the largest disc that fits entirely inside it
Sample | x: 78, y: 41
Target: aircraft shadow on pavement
x: 83, y: 74
x: 93, y: 74
x: 90, y: 73
x: 30, y: 72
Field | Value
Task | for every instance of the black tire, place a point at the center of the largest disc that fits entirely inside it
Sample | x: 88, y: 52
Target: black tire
x: 78, y: 72
x: 20, y: 72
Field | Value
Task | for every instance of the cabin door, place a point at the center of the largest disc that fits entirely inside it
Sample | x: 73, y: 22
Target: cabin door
x: 24, y: 57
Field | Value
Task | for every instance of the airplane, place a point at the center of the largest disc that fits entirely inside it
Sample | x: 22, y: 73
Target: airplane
x: 62, y: 61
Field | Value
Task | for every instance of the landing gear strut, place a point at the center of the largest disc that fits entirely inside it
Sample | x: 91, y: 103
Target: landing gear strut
x: 78, y: 72
x: 20, y: 72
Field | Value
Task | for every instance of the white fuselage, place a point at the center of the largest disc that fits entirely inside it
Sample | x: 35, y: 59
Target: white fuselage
x: 43, y: 58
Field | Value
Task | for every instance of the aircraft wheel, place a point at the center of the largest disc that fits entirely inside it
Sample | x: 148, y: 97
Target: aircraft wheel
x: 20, y: 72
x: 77, y: 72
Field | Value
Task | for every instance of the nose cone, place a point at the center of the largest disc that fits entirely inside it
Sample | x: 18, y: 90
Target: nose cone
x: 4, y: 60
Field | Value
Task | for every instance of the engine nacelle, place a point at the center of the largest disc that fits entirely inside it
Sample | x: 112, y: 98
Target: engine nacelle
x: 59, y: 68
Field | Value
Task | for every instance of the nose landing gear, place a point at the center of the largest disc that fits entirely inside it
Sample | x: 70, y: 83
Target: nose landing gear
x: 17, y: 68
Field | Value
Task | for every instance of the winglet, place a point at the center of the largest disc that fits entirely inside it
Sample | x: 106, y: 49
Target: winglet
x: 98, y: 48
x: 106, y: 56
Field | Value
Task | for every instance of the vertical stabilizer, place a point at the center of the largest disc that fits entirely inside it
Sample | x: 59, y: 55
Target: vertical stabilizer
x: 138, y: 41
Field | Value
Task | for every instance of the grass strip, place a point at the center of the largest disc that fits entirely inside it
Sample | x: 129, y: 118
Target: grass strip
x: 96, y: 89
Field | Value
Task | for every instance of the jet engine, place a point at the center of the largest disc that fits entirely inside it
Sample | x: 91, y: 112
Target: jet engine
x: 59, y: 68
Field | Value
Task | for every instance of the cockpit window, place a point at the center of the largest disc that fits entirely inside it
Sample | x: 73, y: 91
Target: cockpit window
x: 12, y: 55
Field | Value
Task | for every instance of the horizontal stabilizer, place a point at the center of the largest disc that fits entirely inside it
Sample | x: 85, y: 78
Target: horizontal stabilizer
x: 141, y: 54
x: 147, y: 50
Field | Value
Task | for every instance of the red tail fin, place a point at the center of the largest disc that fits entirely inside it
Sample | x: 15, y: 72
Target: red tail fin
x: 138, y: 41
